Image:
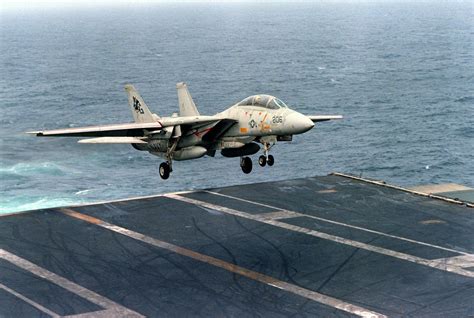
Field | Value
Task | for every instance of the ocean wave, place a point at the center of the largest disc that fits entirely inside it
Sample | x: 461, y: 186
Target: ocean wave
x: 467, y: 131
x: 390, y: 56
x: 82, y: 192
x: 26, y: 169
x: 465, y: 99
x: 27, y: 204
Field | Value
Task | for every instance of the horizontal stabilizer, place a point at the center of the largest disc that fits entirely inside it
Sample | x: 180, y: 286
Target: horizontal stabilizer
x: 113, y: 140
x: 119, y: 130
x: 319, y: 118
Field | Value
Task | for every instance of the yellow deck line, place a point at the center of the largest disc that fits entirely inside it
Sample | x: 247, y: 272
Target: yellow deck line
x: 270, y: 281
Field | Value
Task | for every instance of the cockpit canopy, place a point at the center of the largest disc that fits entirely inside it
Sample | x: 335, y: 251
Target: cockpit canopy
x: 266, y: 101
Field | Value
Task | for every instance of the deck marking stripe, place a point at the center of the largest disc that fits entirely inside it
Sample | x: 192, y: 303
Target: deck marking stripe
x: 95, y: 314
x: 81, y: 216
x: 239, y: 199
x: 346, y: 225
x: 29, y: 301
x: 414, y: 259
x: 91, y: 296
x: 383, y: 184
x: 283, y: 214
x: 270, y: 281
x: 461, y: 261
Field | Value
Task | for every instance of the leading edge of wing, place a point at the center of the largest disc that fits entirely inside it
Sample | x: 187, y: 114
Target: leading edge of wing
x: 113, y: 140
x: 116, y: 130
x: 318, y: 118
x: 189, y: 120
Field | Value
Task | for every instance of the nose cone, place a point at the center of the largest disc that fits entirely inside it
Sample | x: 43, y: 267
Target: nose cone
x: 298, y: 123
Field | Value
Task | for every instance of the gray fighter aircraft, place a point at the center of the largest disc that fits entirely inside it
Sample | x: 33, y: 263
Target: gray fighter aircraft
x: 236, y: 132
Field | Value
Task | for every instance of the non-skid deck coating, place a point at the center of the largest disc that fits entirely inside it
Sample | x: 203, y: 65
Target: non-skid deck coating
x: 322, y: 246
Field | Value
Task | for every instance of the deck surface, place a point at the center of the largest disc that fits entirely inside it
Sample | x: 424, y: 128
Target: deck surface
x: 323, y: 246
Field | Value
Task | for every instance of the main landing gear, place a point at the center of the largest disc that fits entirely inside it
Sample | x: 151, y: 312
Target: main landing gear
x: 167, y: 167
x: 164, y: 170
x: 246, y: 164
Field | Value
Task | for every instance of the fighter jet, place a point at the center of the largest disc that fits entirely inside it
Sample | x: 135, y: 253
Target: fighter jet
x: 236, y: 132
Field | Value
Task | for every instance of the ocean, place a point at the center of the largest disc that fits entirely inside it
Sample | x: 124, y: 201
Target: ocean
x: 401, y: 73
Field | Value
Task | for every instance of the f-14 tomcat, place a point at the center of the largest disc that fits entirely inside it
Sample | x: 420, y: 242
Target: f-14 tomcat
x: 236, y: 132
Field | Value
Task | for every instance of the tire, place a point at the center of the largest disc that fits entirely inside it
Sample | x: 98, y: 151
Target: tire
x: 262, y: 161
x: 246, y: 165
x: 270, y: 160
x: 164, y: 170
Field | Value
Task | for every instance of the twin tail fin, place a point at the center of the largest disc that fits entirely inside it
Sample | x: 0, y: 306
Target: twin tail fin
x: 140, y: 111
x: 186, y: 103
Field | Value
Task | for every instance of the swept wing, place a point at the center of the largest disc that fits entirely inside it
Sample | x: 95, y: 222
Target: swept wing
x: 118, y: 130
x: 129, y: 129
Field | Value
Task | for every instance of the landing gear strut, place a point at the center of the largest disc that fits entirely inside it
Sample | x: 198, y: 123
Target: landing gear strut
x: 266, y: 159
x: 246, y: 164
x: 167, y: 167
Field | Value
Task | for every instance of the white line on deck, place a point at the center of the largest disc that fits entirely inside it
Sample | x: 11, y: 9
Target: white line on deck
x: 414, y: 259
x: 342, y: 224
x: 95, y: 314
x: 114, y: 308
x: 29, y: 301
x: 270, y: 281
x: 278, y: 215
x: 461, y: 261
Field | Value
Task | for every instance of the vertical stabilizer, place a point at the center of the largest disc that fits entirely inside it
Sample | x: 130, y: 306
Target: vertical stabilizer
x: 186, y: 103
x: 140, y: 111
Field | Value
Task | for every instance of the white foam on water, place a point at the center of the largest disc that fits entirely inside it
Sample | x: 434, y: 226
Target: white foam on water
x: 26, y: 204
x: 26, y: 168
x: 82, y: 192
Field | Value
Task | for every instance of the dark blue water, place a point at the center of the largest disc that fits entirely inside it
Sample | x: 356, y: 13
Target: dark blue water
x: 402, y: 74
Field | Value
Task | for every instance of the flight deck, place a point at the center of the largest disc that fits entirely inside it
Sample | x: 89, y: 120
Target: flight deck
x: 329, y: 246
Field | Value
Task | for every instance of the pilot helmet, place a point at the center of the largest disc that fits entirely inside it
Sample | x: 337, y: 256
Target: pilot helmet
x: 256, y: 100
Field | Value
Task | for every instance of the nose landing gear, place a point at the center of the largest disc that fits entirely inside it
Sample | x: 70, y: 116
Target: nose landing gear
x: 266, y: 159
x: 270, y: 160
x: 263, y: 161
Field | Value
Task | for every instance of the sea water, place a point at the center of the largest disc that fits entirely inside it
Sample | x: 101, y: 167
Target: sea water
x: 401, y: 73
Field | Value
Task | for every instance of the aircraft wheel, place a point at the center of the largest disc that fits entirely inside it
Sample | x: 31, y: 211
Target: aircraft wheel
x: 270, y: 160
x: 164, y: 170
x: 262, y: 161
x: 246, y: 164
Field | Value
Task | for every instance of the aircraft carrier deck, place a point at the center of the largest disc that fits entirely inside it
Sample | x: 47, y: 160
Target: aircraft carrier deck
x: 322, y: 246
